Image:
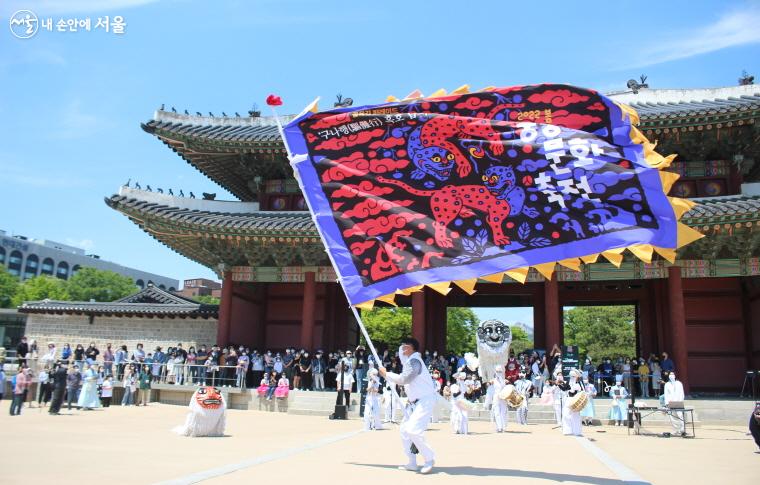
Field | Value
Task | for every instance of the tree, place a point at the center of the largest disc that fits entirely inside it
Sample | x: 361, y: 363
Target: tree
x: 40, y: 288
x: 600, y: 331
x: 8, y: 288
x: 520, y: 340
x: 206, y: 299
x: 94, y: 284
x: 389, y: 325
x: 461, y: 330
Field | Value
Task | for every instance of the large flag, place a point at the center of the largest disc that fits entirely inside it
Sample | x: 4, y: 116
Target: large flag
x: 429, y: 191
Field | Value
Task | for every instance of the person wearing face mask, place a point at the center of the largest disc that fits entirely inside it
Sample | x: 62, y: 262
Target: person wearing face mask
x: 674, y: 393
x: 304, y: 367
x: 421, y: 395
x: 372, y: 418
x: 499, y: 406
x: 571, y: 420
x: 269, y: 362
x: 605, y: 371
x: 619, y: 394
x: 523, y: 386
x: 588, y: 412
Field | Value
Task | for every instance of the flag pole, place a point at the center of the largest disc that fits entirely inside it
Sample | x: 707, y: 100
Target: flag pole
x: 324, y: 241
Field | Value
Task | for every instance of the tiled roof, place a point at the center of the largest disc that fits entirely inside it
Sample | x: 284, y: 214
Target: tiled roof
x: 150, y: 301
x: 728, y: 208
x: 261, y: 129
x: 733, y: 208
x: 648, y: 111
x: 260, y: 222
x: 153, y: 294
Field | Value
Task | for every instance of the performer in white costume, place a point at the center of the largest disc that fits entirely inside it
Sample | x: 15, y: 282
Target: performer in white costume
x: 391, y: 403
x: 554, y: 392
x: 372, y: 418
x: 523, y: 386
x: 587, y: 413
x: 619, y: 394
x: 571, y: 420
x: 499, y: 406
x: 418, y: 385
x: 459, y: 417
x: 674, y: 392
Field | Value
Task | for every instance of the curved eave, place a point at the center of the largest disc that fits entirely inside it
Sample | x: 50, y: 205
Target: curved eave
x: 193, y: 233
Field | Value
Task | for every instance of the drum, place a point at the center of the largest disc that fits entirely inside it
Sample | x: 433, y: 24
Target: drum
x: 506, y: 392
x: 516, y: 400
x: 578, y: 402
x: 465, y: 405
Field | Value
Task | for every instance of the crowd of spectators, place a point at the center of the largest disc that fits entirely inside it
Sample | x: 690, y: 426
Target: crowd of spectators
x: 137, y: 369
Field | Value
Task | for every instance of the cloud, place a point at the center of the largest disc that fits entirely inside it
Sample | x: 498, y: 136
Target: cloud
x: 75, y: 122
x: 86, y: 244
x: 24, y: 175
x: 736, y: 28
x: 50, y: 7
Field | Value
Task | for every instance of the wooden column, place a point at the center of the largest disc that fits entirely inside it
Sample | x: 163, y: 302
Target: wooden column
x: 539, y: 319
x: 418, y: 317
x: 552, y: 313
x: 678, y: 326
x: 436, y: 321
x: 309, y: 305
x: 225, y: 312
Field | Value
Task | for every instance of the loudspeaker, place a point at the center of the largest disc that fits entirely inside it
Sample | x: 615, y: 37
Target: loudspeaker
x: 340, y: 412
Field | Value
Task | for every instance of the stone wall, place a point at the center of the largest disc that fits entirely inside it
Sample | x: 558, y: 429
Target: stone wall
x: 129, y: 331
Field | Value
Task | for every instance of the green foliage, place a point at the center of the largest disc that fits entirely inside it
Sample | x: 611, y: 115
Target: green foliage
x: 520, y: 340
x: 389, y: 325
x: 94, y: 284
x: 8, y: 288
x: 601, y: 331
x: 461, y: 328
x: 40, y: 288
x: 206, y: 299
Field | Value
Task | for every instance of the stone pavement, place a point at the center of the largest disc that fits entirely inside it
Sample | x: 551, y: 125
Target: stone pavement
x: 135, y: 445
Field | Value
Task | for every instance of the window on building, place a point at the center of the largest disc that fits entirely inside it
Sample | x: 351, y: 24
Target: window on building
x: 47, y: 266
x: 150, y: 283
x: 171, y: 288
x: 63, y: 270
x: 14, y: 262
x: 75, y: 269
x: 2, y: 255
x: 140, y: 284
x: 162, y: 287
x: 32, y: 263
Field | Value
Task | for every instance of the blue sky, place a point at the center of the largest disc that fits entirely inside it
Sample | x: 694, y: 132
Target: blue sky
x: 71, y: 103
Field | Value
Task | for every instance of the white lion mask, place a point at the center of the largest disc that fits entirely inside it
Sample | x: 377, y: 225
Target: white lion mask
x: 494, y: 339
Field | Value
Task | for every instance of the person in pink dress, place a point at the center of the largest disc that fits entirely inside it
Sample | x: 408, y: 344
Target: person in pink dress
x: 283, y: 387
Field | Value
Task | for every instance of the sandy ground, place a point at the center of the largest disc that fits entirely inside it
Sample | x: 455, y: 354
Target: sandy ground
x: 135, y: 445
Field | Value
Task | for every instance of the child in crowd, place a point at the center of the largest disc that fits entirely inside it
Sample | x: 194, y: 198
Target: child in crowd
x: 106, y: 391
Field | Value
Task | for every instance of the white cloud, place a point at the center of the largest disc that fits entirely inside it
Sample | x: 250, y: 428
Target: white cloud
x: 733, y: 29
x: 75, y: 122
x: 23, y: 174
x: 86, y: 244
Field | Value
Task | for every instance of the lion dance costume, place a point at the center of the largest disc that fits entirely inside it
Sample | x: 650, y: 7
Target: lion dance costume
x: 207, y: 416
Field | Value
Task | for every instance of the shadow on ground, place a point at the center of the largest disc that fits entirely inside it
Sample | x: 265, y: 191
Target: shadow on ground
x: 470, y: 471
